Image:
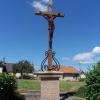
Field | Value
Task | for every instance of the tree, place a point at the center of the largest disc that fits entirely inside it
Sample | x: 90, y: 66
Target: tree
x: 93, y: 83
x: 23, y: 66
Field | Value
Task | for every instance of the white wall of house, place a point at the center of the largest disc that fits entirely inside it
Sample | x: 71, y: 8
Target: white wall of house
x: 1, y: 70
x: 18, y: 75
x: 70, y: 77
x: 82, y: 76
x: 61, y: 77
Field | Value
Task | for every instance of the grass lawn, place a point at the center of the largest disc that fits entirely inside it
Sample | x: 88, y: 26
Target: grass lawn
x: 25, y: 85
x: 65, y: 86
x: 70, y: 85
x: 35, y: 85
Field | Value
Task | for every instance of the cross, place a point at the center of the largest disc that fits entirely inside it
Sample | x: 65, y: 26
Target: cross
x: 50, y: 17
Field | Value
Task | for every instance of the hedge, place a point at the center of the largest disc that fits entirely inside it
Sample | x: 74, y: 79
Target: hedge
x: 8, y: 88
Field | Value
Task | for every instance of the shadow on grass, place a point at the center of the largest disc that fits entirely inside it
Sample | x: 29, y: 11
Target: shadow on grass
x: 79, y: 93
x: 12, y: 97
x: 66, y: 95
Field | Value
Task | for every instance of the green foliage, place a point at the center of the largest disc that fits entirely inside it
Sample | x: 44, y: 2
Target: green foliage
x: 81, y: 92
x: 8, y: 88
x: 23, y: 66
x: 7, y: 83
x: 93, y: 83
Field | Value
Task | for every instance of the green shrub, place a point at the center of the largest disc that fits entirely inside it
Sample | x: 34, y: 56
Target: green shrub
x: 81, y: 92
x: 93, y: 83
x: 8, y: 87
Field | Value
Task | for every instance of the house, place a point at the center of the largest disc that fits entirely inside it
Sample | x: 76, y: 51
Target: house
x: 82, y: 75
x: 1, y: 68
x: 9, y: 67
x: 69, y: 73
x: 5, y: 67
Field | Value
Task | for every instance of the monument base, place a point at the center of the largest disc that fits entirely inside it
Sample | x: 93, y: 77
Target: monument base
x: 49, y: 85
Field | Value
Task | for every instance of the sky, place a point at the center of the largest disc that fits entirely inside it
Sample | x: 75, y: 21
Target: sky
x: 23, y: 35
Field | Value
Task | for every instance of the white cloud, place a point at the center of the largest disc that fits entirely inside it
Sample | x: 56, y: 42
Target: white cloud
x: 88, y: 62
x: 96, y: 50
x: 82, y: 56
x: 40, y: 5
x: 88, y: 57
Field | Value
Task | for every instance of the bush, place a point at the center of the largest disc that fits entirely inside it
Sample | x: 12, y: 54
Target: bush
x: 81, y: 92
x: 93, y: 83
x: 8, y: 87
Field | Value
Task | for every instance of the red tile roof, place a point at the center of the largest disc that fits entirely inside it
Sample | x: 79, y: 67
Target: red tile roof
x: 68, y: 69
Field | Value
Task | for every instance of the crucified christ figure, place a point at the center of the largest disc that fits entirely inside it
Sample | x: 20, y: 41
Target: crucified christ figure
x: 51, y: 29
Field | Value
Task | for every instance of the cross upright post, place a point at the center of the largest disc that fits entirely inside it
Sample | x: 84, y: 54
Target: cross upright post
x: 50, y: 17
x: 50, y: 65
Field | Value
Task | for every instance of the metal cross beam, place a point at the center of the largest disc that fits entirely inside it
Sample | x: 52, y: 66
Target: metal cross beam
x: 48, y: 14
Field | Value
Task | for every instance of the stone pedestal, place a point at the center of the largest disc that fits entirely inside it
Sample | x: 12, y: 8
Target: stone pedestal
x: 49, y: 85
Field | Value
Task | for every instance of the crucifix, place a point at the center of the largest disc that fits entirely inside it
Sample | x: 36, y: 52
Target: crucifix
x: 50, y: 17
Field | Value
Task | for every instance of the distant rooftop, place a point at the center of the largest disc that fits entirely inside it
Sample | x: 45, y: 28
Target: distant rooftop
x: 68, y: 69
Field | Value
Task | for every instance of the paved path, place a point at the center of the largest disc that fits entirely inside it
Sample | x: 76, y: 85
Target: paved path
x: 36, y: 96
x: 74, y: 98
